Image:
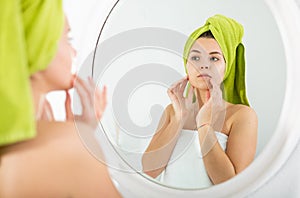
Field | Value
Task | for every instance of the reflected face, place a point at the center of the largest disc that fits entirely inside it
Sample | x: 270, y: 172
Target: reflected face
x: 58, y: 73
x: 205, y: 63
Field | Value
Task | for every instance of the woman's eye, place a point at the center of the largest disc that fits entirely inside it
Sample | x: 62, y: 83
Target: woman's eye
x: 195, y: 58
x: 215, y: 59
x: 69, y: 37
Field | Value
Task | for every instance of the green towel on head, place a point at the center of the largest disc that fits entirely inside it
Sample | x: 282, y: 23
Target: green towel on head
x: 228, y: 33
x: 29, y: 33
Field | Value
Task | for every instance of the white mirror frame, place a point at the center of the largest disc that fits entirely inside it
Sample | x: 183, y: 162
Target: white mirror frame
x: 275, y: 154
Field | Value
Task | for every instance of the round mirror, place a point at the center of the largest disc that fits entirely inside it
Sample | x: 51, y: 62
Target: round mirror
x: 139, y: 56
x: 273, y: 151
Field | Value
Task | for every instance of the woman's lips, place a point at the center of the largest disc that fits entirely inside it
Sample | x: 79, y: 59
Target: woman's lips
x: 204, y: 76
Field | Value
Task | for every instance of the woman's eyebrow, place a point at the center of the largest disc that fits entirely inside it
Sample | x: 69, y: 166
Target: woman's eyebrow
x: 194, y: 50
x: 213, y: 52
x: 216, y: 52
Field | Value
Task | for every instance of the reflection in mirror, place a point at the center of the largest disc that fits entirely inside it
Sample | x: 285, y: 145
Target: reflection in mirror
x: 210, y: 135
x: 215, y: 66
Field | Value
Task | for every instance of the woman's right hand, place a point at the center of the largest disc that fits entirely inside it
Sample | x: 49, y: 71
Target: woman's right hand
x: 181, y: 105
x: 93, y: 102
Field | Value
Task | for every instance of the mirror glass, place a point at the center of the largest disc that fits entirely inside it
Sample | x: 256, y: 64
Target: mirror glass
x: 139, y: 56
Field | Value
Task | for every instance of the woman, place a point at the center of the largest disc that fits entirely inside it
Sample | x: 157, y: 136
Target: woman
x: 214, y: 121
x: 54, y: 162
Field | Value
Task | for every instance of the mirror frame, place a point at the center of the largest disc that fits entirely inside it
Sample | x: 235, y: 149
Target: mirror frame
x: 275, y: 154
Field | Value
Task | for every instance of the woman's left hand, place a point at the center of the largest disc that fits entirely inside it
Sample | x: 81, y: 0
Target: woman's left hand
x: 213, y: 111
x: 93, y: 102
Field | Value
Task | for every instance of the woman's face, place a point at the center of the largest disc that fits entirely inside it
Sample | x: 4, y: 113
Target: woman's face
x: 205, y: 63
x: 58, y: 74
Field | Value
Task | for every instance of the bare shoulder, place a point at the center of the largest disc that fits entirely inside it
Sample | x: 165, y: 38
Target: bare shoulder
x: 239, y: 110
x: 72, y: 133
x: 58, y: 147
x: 55, y: 125
x: 55, y: 131
x: 242, y: 111
x: 243, y: 115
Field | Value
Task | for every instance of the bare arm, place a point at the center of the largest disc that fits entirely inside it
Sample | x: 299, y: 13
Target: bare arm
x: 240, y: 151
x: 158, y: 153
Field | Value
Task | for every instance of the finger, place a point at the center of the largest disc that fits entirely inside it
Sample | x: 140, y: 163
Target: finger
x: 174, y: 87
x: 213, y: 83
x: 183, y: 85
x: 85, y: 99
x: 100, y: 102
x: 179, y: 89
x: 92, y: 85
x: 207, y: 95
x: 197, y: 108
x: 177, y: 83
x: 173, y: 98
x: 174, y: 90
x: 215, y: 92
x: 90, y: 88
x: 190, y: 93
x: 92, y: 91
x: 103, y: 98
x: 98, y: 96
x: 84, y: 88
x: 210, y: 84
x: 171, y: 94
x: 69, y: 113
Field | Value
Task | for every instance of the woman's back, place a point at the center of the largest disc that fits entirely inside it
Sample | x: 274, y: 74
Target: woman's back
x: 55, y: 163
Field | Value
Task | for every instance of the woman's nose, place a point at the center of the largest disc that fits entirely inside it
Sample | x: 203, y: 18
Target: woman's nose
x: 205, y: 64
x: 204, y: 67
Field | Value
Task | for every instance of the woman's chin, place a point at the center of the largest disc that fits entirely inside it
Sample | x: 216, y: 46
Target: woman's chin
x: 70, y: 86
x: 70, y: 83
x: 201, y: 85
x: 66, y: 85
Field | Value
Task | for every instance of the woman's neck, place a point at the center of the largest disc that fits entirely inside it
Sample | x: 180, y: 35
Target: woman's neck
x: 202, y: 96
x: 39, y: 98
